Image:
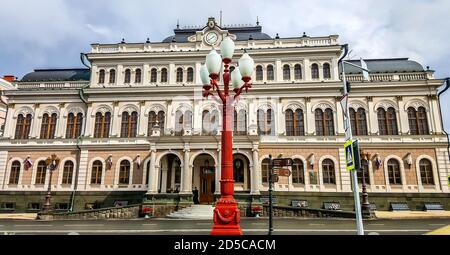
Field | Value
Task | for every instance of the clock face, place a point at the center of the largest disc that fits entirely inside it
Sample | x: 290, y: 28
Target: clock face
x: 211, y: 38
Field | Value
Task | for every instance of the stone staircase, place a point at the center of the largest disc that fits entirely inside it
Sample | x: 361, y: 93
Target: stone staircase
x: 196, y: 212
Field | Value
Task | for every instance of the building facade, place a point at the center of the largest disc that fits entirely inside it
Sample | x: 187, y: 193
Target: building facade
x: 134, y: 126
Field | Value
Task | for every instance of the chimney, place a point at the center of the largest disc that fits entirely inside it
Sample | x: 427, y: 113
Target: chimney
x: 9, y: 78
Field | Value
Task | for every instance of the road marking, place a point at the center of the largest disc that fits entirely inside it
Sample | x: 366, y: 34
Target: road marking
x: 149, y: 224
x: 207, y: 230
x: 34, y: 225
x: 376, y: 224
x: 437, y: 224
x: 316, y: 224
x: 83, y: 225
x: 440, y: 231
x: 202, y: 223
x: 259, y: 223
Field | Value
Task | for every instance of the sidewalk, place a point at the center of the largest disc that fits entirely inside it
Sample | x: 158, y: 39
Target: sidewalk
x: 413, y: 215
x: 18, y: 216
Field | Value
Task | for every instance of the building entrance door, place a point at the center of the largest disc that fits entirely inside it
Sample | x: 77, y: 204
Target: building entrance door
x: 207, y: 184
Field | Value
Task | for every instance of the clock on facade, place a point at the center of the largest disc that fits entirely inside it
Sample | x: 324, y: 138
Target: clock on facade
x: 211, y: 38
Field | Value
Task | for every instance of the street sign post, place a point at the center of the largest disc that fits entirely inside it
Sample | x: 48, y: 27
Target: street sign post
x: 282, y: 162
x: 283, y: 172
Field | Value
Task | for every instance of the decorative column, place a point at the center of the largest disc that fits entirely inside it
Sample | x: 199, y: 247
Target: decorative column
x: 278, y: 71
x: 88, y: 128
x: 403, y: 116
x: 310, y: 122
x: 34, y: 132
x: 152, y: 173
x: 164, y: 169
x: 115, y: 119
x: 10, y: 122
x: 255, y: 177
x: 339, y: 116
x: 187, y: 173
x: 142, y: 120
x: 372, y: 117
x: 61, y: 123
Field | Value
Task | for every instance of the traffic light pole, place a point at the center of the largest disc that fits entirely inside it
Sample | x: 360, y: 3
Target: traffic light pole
x: 349, y: 136
x: 270, y: 195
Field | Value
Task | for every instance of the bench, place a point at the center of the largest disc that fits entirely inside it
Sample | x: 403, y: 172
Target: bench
x: 300, y: 203
x: 265, y: 200
x: 373, y: 207
x: 433, y: 206
x: 334, y: 206
x: 399, y: 206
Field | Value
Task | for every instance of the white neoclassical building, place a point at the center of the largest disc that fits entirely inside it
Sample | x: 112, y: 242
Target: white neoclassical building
x: 134, y: 125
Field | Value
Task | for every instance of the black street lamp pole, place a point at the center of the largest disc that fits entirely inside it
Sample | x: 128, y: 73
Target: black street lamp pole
x: 365, y: 197
x: 52, y: 163
x: 270, y: 195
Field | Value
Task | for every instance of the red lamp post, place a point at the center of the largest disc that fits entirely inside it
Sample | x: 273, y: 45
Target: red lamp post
x: 226, y: 214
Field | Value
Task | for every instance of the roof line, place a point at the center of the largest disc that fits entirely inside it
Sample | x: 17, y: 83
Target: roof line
x: 59, y: 69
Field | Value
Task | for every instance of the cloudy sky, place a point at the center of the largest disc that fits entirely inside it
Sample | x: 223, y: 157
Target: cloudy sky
x: 52, y: 33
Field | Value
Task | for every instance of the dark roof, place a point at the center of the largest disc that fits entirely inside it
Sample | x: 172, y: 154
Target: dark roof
x: 242, y: 33
x: 40, y: 75
x: 393, y: 65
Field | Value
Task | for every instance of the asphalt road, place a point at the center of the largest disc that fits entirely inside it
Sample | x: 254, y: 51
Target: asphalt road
x: 250, y: 226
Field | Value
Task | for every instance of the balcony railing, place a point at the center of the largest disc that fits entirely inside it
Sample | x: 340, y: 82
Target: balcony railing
x: 51, y: 85
x: 390, y: 77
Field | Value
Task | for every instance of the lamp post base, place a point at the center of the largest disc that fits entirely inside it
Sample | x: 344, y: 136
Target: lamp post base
x: 227, y: 217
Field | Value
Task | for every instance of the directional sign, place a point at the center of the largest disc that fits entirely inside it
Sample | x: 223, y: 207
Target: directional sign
x: 349, y: 155
x: 282, y: 162
x: 283, y: 172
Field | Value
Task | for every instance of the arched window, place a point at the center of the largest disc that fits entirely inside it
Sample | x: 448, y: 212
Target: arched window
x: 426, y: 172
x: 127, y: 76
x: 265, y: 123
x: 294, y: 123
x: 394, y: 172
x: 387, y: 121
x: 326, y: 71
x: 23, y: 126
x: 265, y: 164
x: 153, y: 75
x: 298, y: 72
x: 96, y: 174
x: 298, y: 172
x: 124, y: 172
x: 138, y: 76
x: 358, y: 121
x: 129, y: 125
x: 74, y: 124
x: 315, y: 71
x: 259, y: 73
x: 206, y: 120
x: 14, y: 173
x: 286, y: 72
x: 270, y: 74
x: 48, y: 126
x: 67, y: 173
x: 183, y: 122
x: 40, y: 172
x: 240, y: 122
x: 238, y: 170
x: 190, y: 74
x: 154, y: 118
x: 365, y: 168
x: 164, y: 75
x: 179, y: 123
x: 147, y: 173
x: 179, y: 74
x: 328, y: 172
x: 324, y: 122
x: 101, y: 76
x: 112, y: 76
x: 418, y: 123
x: 102, y: 123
